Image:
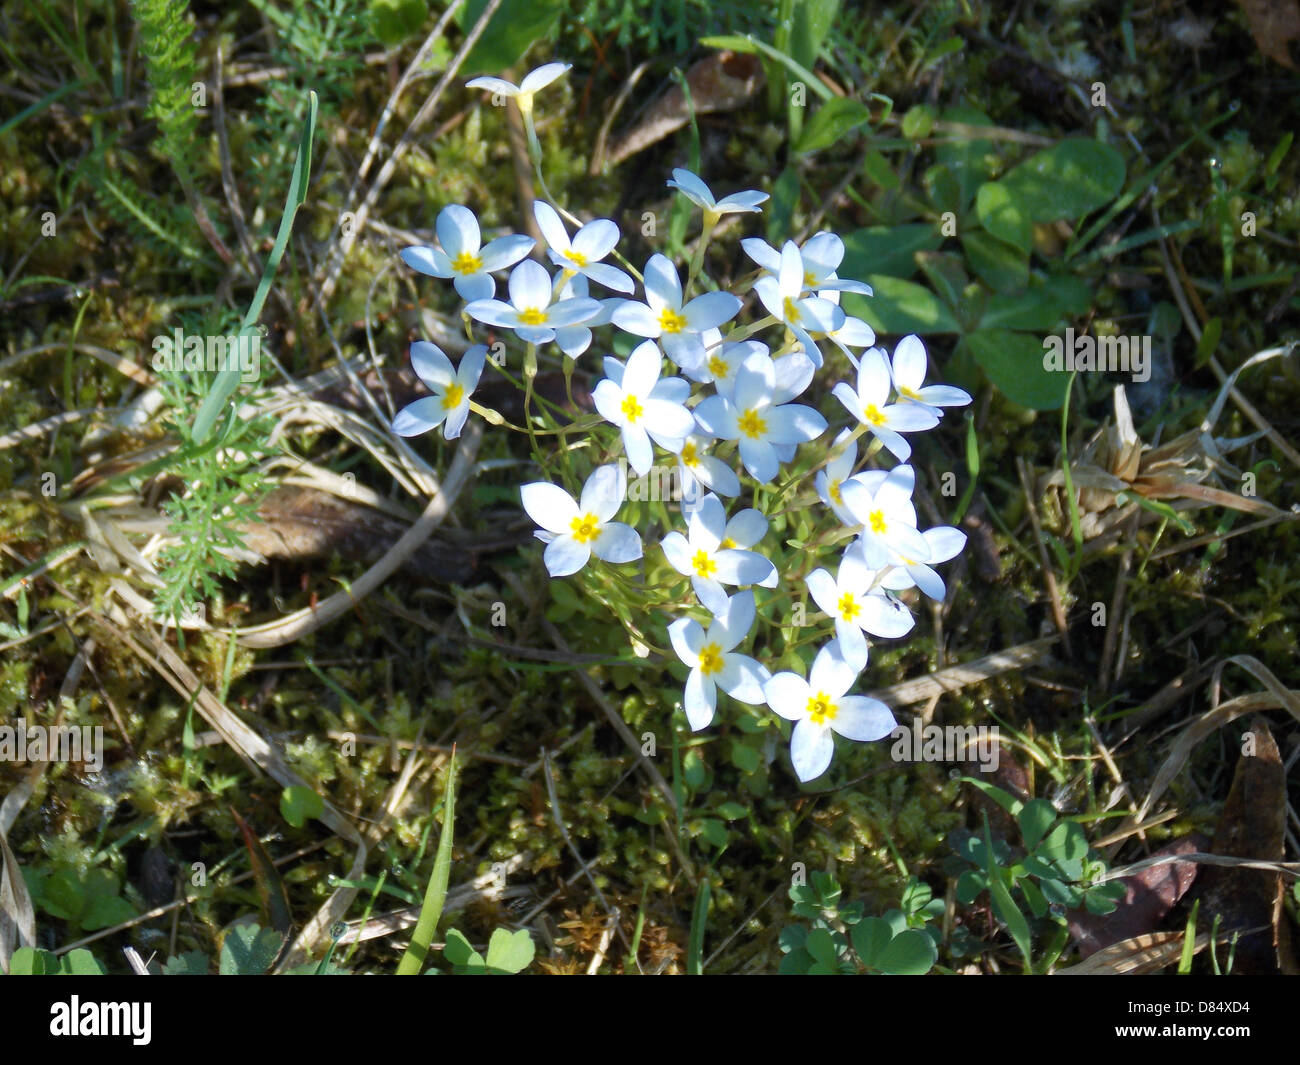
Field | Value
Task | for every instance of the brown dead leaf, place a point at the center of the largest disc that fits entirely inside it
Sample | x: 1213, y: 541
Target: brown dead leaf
x: 1273, y: 24
x: 1251, y: 826
x: 723, y: 81
x: 1149, y: 895
x: 1139, y: 956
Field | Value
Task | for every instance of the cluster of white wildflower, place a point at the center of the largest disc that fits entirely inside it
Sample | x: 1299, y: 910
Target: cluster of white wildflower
x: 727, y: 389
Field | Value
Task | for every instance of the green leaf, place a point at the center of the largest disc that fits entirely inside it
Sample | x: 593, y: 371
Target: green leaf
x: 969, y: 886
x: 714, y: 831
x: 910, y: 953
x: 62, y: 895
x: 1067, y: 180
x: 395, y: 21
x: 785, y: 198
x: 970, y: 160
x: 298, y: 804
x: 80, y: 962
x: 830, y: 122
x: 436, y: 893
x: 510, y: 952
x: 813, y: 20
x: 918, y: 122
x: 105, y: 911
x: 1004, y: 215
x: 1038, y: 308
x: 871, y: 937
x: 1003, y: 798
x: 1036, y: 817
x: 821, y: 945
x: 900, y: 307
x: 1014, y: 362
x: 249, y: 950
x: 1003, y: 905
x: 27, y: 961
x: 732, y: 811
x: 887, y: 250
x: 191, y: 963
x: 515, y: 27
x: 744, y: 757
x: 458, y: 951
x: 1000, y: 265
x: 1065, y: 843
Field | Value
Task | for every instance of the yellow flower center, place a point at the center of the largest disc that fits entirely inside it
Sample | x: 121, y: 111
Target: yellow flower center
x: 910, y: 393
x: 726, y: 542
x: 751, y: 424
x: 791, y: 311
x: 873, y: 415
x: 690, y: 456
x: 848, y: 607
x: 632, y: 408
x: 834, y: 492
x: 670, y: 321
x: 465, y: 263
x: 710, y: 659
x: 704, y: 565
x: 809, y: 279
x: 532, y: 316
x: 585, y: 528
x: 718, y: 367
x: 878, y: 523
x: 821, y: 709
x: 576, y: 257
x: 453, y: 397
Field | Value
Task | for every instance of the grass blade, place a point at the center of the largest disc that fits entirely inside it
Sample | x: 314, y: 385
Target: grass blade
x: 435, y: 895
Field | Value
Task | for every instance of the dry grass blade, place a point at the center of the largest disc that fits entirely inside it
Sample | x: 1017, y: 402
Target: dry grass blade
x: 17, y: 916
x: 1138, y: 956
x: 954, y: 678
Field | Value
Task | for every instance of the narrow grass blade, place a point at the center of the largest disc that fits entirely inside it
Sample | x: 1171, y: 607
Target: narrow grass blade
x: 228, y: 380
x: 695, y: 952
x: 412, y: 963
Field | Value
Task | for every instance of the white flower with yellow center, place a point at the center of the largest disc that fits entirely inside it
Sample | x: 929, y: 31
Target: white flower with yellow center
x: 573, y: 340
x: 754, y: 416
x: 882, y: 504
x: 700, y: 471
x: 783, y: 296
x: 522, y: 94
x: 849, y: 600
x: 583, y: 253
x: 700, y: 554
x: 907, y: 369
x: 714, y: 664
x: 694, y: 189
x: 663, y: 316
x: 819, y: 706
x: 821, y: 256
x: 462, y: 257
x: 722, y: 362
x: 870, y: 405
x: 643, y: 407
x: 944, y: 543
x: 836, y: 472
x: 451, y: 388
x: 575, y: 530
x: 530, y: 312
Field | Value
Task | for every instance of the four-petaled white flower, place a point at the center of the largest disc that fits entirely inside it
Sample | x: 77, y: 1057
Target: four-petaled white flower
x: 449, y: 404
x: 821, y: 256
x: 699, y: 194
x: 643, y: 407
x: 714, y: 664
x: 723, y: 362
x: 700, y: 554
x: 850, y: 601
x: 575, y: 530
x: 944, y: 543
x: 663, y: 316
x: 882, y: 504
x: 820, y: 705
x: 530, y: 312
x: 583, y: 253
x: 754, y: 416
x: 522, y: 94
x: 907, y: 370
x: 573, y: 340
x: 462, y: 256
x: 870, y: 405
x: 783, y: 297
